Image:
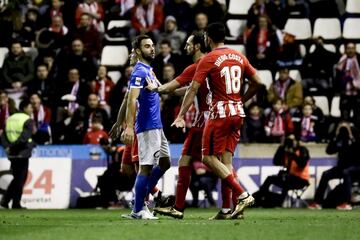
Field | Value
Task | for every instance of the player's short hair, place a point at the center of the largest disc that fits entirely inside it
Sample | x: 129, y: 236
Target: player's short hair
x: 199, y: 38
x: 216, y: 31
x: 136, y: 43
x: 24, y: 103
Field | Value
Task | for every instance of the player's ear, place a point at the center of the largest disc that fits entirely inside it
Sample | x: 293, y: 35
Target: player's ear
x: 197, y: 46
x: 137, y: 51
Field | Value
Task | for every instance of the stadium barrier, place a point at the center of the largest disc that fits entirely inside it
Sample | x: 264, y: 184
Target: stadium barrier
x: 59, y: 174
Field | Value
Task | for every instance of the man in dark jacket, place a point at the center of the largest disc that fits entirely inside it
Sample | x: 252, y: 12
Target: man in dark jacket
x: 18, y: 145
x: 18, y: 69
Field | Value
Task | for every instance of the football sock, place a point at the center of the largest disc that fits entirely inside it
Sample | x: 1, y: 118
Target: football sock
x: 225, y: 194
x: 235, y: 186
x: 234, y: 196
x: 155, y: 175
x: 182, y: 186
x: 140, y: 191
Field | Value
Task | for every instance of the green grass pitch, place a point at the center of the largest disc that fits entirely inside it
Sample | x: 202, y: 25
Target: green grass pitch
x: 106, y: 224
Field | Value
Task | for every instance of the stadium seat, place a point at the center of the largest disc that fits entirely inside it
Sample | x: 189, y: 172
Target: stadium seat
x: 302, y: 50
x: 335, y: 107
x: 237, y: 7
x: 236, y: 27
x: 3, y: 52
x: 237, y: 47
x: 115, y: 75
x: 323, y: 103
x: 265, y: 77
x: 117, y: 24
x: 329, y: 47
x: 342, y: 48
x: 191, y: 2
x: 328, y: 28
x: 114, y: 55
x: 300, y: 27
x: 352, y: 6
x: 293, y: 73
x: 351, y: 28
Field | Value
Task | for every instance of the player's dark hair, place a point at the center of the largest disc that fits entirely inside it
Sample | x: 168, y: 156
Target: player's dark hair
x: 199, y: 38
x: 216, y: 31
x: 24, y: 103
x: 137, y: 41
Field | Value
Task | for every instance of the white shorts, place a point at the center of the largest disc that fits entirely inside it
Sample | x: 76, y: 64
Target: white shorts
x: 152, y: 145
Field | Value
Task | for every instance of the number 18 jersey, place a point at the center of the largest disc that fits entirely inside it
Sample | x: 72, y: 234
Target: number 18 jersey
x: 225, y: 70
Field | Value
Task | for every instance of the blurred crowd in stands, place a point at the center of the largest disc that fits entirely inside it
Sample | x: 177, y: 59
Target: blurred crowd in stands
x: 51, y: 51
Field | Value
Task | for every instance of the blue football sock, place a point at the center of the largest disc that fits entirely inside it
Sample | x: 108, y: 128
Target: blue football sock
x: 140, y: 191
x: 156, y: 174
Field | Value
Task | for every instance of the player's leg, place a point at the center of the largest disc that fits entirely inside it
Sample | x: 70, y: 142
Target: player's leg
x: 162, y: 156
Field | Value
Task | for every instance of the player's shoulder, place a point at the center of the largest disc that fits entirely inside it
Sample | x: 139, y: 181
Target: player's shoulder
x: 140, y: 70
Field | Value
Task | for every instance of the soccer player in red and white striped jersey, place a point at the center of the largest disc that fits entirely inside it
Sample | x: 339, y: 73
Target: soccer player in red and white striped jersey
x: 224, y: 70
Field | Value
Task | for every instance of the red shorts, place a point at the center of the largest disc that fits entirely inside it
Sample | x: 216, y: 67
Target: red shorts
x: 221, y: 134
x: 192, y: 144
x: 130, y: 154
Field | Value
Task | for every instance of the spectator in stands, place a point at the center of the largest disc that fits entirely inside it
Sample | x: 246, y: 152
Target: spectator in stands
x: 212, y: 8
x: 297, y: 8
x: 8, y: 26
x: 166, y: 56
x: 347, y: 82
x: 344, y: 144
x: 18, y: 69
x: 56, y: 9
x: 201, y: 21
x: 146, y: 18
x: 182, y: 12
x: 318, y: 115
x: 123, y: 7
x: 74, y: 91
x: 7, y: 108
x: 305, y: 124
x: 262, y: 45
x: 254, y: 127
x: 42, y: 117
x: 294, y: 158
x: 96, y: 131
x: 77, y: 58
x: 89, y: 35
x: 286, y: 89
x: 289, y: 54
x: 257, y: 9
x: 118, y: 93
x: 31, y: 26
x: 172, y: 34
x: 102, y: 86
x: 44, y: 86
x: 317, y: 69
x: 94, y: 9
x: 260, y: 98
x: 278, y: 122
x: 60, y: 31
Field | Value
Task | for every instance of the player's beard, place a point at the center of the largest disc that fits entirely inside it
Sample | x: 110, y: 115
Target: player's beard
x: 148, y: 58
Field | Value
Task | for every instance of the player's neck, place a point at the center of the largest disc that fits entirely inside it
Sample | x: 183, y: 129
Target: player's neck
x: 197, y: 56
x: 144, y: 61
x: 217, y: 45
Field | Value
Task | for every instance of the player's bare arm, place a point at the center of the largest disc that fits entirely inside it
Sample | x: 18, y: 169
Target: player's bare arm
x: 188, y: 100
x: 253, y: 88
x: 116, y: 128
x: 128, y: 134
x: 166, y: 88
x: 180, y: 91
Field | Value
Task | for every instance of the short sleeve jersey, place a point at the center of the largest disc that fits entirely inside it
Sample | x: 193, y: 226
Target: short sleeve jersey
x: 148, y: 115
x: 225, y: 70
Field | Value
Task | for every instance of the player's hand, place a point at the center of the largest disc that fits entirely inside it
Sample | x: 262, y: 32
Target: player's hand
x: 150, y: 84
x: 115, y: 131
x: 179, y: 123
x: 127, y: 137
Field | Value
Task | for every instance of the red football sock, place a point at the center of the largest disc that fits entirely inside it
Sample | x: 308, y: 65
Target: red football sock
x: 235, y: 186
x: 182, y: 186
x: 225, y: 194
x: 234, y: 195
